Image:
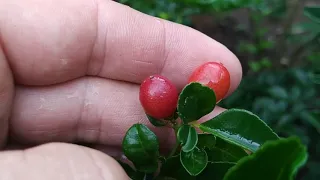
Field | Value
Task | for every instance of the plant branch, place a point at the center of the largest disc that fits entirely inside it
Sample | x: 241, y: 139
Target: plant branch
x: 195, y: 124
x: 176, y: 146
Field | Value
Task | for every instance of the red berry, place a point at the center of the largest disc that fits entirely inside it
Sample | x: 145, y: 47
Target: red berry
x: 158, y: 96
x: 215, y: 76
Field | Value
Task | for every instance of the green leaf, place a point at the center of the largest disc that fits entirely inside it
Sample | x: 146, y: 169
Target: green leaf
x: 194, y: 161
x: 278, y: 92
x: 206, y: 141
x: 134, y: 175
x: 304, y: 27
x: 315, y: 78
x: 285, y: 120
x: 215, y: 171
x: 248, y: 47
x: 164, y: 15
x: 255, y: 66
x: 310, y: 118
x: 141, y: 146
x: 173, y: 169
x: 188, y: 137
x: 266, y: 62
x: 240, y: 127
x: 266, y: 44
x: 195, y: 101
x: 297, y: 130
x: 313, y: 172
x: 312, y: 12
x: 276, y: 160
x: 295, y: 93
x: 165, y: 178
x: 225, y: 152
x: 156, y: 122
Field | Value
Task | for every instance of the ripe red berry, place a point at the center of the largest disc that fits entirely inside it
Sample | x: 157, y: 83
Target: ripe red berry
x: 158, y: 96
x: 215, y: 76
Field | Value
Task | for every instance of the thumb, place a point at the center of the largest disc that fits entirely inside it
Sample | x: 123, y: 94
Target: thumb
x: 6, y: 95
x: 59, y: 161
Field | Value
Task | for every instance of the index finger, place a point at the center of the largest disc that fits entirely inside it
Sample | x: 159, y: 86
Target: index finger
x: 49, y: 42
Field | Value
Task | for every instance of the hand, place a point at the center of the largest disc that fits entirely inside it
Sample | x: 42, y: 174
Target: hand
x: 70, y: 72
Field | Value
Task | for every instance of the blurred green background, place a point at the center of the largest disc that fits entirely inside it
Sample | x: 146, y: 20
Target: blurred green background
x: 278, y: 44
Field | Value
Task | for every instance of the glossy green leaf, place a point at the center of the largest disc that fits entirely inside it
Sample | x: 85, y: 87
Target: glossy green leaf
x: 276, y: 160
x: 194, y: 161
x: 206, y: 141
x: 313, y: 12
x: 195, y: 101
x: 188, y: 137
x: 141, y: 146
x: 240, y: 127
x: 224, y: 151
x: 156, y: 122
x: 173, y: 170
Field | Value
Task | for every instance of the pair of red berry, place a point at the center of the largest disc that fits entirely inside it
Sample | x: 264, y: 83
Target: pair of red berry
x: 159, y: 97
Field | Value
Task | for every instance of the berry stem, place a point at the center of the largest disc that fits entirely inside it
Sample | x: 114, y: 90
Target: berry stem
x: 176, y: 146
x: 194, y: 124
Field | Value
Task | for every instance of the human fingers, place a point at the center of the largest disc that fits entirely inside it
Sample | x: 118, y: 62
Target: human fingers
x: 59, y: 161
x: 49, y: 42
x: 184, y: 54
x: 6, y: 96
x: 91, y: 109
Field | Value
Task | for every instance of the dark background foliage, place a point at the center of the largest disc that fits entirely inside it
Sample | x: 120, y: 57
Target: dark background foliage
x: 278, y: 44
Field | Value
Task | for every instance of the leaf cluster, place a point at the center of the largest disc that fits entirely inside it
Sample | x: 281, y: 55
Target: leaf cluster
x: 288, y: 101
x: 236, y: 143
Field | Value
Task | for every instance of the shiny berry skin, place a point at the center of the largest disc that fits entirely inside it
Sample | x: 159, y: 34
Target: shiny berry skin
x: 158, y: 96
x: 215, y: 76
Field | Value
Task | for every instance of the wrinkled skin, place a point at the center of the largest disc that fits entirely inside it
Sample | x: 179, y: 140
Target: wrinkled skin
x: 70, y: 72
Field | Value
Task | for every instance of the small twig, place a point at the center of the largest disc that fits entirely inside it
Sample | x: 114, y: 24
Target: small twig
x: 194, y: 124
x: 176, y: 146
